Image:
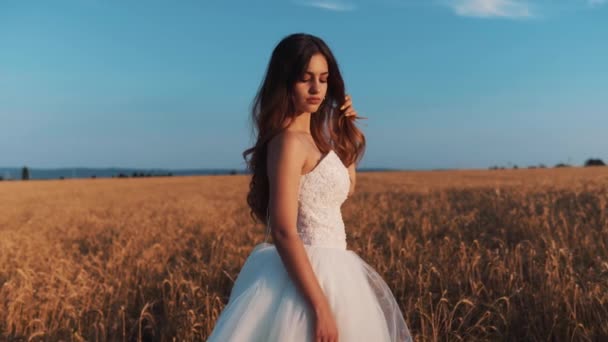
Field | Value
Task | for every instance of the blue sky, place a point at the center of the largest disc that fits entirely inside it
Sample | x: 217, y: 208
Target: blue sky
x: 445, y: 84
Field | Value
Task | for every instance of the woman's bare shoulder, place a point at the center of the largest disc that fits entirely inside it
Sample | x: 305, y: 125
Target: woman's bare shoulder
x: 287, y: 148
x: 285, y: 139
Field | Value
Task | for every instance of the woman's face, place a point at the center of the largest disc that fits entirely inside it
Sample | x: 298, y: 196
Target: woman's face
x: 311, y: 88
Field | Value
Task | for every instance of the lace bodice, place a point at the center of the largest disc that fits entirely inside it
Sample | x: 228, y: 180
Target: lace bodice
x: 321, y: 194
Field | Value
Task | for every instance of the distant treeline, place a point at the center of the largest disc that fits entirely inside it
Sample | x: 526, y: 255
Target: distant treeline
x: 25, y: 172
x: 139, y: 174
x: 589, y: 162
x: 25, y: 175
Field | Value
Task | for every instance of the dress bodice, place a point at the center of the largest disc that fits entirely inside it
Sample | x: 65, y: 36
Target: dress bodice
x: 321, y: 194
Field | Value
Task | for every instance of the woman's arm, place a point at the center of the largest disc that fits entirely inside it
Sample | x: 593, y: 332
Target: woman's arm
x: 352, y: 174
x: 286, y: 158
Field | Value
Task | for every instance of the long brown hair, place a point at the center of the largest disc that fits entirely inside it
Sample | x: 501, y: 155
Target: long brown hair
x: 273, y: 105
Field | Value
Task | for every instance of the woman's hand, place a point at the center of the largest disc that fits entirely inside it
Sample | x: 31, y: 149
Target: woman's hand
x: 347, y: 107
x: 326, y: 329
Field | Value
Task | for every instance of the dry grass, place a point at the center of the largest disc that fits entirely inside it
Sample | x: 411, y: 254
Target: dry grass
x: 470, y: 255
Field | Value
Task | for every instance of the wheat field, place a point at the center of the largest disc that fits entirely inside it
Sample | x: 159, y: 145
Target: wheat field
x: 473, y: 255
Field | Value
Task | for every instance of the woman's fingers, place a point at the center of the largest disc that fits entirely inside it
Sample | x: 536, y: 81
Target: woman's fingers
x: 348, y: 109
x: 347, y: 103
x: 351, y: 113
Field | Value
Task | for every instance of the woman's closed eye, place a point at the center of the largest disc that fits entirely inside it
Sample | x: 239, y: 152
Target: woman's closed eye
x: 308, y: 80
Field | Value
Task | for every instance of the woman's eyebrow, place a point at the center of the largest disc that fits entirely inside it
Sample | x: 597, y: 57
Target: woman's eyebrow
x: 323, y: 73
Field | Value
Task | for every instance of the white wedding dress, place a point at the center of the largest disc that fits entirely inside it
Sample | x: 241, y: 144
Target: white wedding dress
x: 266, y: 306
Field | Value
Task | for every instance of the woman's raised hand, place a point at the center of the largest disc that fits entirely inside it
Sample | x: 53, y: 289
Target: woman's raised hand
x: 347, y: 107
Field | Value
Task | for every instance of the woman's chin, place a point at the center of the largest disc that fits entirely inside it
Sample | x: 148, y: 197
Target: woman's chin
x: 309, y: 108
x: 312, y: 108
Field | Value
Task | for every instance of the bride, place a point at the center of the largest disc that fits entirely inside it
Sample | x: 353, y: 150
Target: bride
x: 307, y: 286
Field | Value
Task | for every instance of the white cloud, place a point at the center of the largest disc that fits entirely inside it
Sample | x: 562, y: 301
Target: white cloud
x: 513, y: 9
x: 595, y: 3
x: 330, y: 5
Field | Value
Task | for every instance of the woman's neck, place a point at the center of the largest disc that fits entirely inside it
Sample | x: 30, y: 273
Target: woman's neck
x: 300, y: 123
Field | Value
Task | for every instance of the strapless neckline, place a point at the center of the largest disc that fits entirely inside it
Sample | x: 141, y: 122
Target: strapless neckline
x: 319, y: 164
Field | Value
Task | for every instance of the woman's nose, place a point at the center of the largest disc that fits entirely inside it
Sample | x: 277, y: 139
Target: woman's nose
x: 314, y: 87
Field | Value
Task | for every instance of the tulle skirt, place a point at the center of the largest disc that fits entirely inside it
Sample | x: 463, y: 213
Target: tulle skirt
x: 266, y: 306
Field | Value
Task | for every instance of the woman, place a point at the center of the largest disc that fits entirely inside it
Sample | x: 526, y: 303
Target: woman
x: 307, y: 286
